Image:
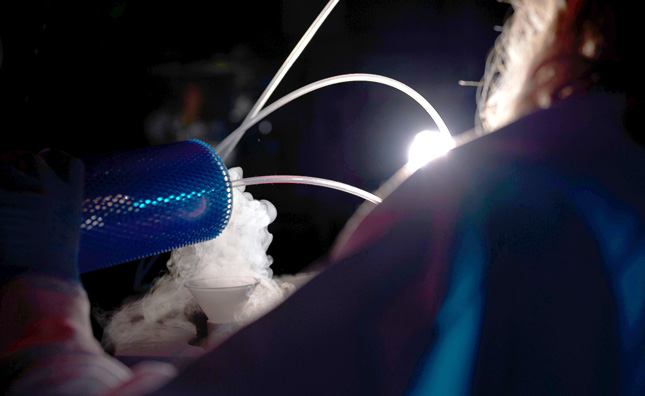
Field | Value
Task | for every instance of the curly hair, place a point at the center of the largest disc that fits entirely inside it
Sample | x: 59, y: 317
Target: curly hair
x: 550, y: 50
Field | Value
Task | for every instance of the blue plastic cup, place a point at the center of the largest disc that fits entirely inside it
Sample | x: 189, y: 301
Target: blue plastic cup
x: 149, y: 201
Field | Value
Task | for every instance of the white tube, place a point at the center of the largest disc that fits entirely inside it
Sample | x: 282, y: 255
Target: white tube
x: 229, y: 143
x: 314, y: 181
x: 331, y: 81
x: 356, y: 77
x: 291, y: 59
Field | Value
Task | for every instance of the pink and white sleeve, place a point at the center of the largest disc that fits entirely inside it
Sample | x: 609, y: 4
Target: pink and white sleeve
x: 47, y: 346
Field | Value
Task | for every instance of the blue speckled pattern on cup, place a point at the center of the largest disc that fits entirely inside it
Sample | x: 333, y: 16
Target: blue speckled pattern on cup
x: 144, y: 202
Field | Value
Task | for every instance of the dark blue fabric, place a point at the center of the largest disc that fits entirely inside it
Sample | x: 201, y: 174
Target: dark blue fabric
x: 557, y: 214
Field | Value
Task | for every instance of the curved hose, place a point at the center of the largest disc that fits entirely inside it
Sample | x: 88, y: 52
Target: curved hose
x: 314, y: 181
x: 231, y: 140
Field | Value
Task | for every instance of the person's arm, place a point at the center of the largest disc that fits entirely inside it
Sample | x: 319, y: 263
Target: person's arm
x: 46, y: 343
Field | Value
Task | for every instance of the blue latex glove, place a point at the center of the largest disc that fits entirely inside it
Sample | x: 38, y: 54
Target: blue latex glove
x: 40, y: 214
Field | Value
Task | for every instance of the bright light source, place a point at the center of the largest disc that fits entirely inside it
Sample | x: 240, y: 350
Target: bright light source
x: 428, y: 145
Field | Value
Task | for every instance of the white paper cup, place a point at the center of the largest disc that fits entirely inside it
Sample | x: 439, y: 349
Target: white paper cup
x: 222, y: 299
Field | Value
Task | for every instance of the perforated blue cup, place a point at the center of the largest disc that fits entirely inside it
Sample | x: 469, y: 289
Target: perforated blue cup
x: 144, y: 202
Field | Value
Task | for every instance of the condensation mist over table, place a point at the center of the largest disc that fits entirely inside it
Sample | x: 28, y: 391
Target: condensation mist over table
x: 240, y: 250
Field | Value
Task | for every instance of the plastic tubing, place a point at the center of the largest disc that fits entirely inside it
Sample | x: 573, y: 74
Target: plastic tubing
x: 356, y: 77
x: 314, y: 181
x: 227, y: 145
x: 291, y: 59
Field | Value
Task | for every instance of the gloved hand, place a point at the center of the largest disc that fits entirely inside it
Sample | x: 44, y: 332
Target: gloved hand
x: 40, y: 214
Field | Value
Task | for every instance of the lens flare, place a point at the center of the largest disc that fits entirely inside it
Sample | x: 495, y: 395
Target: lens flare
x: 428, y: 145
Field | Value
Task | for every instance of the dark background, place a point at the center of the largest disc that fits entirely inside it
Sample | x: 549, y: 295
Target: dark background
x: 99, y: 76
